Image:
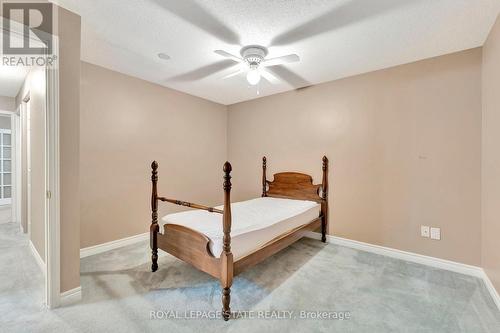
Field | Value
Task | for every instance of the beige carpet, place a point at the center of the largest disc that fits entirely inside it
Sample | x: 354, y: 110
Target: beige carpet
x: 120, y: 294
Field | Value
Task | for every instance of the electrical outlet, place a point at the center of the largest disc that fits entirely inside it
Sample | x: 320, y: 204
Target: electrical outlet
x: 425, y: 231
x: 436, y: 233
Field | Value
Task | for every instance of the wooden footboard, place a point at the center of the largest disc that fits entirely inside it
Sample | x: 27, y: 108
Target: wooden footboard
x: 190, y: 246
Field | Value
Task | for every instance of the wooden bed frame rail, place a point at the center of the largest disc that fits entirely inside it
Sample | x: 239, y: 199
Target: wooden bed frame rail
x: 191, y: 205
x: 193, y: 247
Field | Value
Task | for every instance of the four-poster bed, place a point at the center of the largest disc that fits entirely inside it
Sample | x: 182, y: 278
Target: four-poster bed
x: 290, y: 207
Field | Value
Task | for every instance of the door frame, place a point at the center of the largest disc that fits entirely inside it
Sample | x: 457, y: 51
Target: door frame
x: 52, y: 172
x: 16, y: 165
x: 26, y: 119
x: 17, y: 168
x: 52, y: 183
x: 13, y: 158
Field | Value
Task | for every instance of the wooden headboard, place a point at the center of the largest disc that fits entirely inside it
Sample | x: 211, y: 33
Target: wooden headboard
x: 294, y: 185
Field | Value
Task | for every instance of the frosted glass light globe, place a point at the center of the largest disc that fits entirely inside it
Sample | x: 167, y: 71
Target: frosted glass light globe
x: 253, y: 77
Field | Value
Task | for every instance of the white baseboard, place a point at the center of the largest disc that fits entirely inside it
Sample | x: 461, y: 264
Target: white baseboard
x: 491, y: 289
x: 71, y: 296
x: 96, y: 249
x: 37, y: 257
x: 416, y: 258
x: 403, y: 255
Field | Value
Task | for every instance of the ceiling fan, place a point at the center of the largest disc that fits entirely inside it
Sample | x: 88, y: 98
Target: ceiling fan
x: 253, y: 62
x: 347, y: 13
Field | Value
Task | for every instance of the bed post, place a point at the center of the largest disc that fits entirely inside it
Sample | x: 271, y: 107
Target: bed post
x: 154, y: 229
x: 226, y: 256
x: 324, y: 197
x: 264, y: 181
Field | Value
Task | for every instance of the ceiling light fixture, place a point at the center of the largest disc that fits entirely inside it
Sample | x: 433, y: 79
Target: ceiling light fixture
x: 253, y: 59
x: 253, y: 76
x: 253, y: 56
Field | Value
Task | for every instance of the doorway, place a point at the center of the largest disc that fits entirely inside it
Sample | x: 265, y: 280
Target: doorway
x: 34, y: 189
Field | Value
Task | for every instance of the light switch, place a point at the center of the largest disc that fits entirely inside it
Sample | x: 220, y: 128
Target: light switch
x: 436, y: 233
x: 424, y: 231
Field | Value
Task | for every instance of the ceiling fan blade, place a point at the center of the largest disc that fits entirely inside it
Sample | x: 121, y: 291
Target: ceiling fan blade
x: 269, y: 77
x: 239, y: 71
x: 200, y: 17
x: 228, y: 55
x: 294, y: 80
x: 281, y: 60
x: 202, y: 72
x: 350, y: 12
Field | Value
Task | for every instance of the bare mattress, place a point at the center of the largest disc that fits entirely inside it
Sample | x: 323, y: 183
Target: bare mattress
x: 254, y: 222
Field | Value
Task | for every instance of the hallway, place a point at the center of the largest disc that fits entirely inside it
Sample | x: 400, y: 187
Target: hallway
x: 21, y: 280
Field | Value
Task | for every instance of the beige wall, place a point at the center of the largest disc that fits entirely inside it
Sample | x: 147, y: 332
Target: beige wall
x: 404, y: 147
x: 7, y: 103
x: 126, y: 123
x: 69, y: 108
x: 34, y: 87
x: 491, y: 157
x: 69, y: 26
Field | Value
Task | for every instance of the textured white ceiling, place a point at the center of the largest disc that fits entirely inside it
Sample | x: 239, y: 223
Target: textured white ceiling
x: 334, y: 38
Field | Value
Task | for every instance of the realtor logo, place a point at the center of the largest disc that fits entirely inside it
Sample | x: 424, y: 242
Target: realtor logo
x: 37, y: 20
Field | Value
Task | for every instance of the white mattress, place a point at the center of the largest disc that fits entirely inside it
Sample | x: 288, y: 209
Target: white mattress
x: 254, y: 222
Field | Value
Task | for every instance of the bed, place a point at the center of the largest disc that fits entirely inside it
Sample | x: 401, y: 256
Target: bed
x: 223, y: 241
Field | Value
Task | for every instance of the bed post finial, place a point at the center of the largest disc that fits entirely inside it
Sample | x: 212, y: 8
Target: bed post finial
x: 324, y: 197
x: 264, y: 180
x: 154, y: 229
x: 226, y: 256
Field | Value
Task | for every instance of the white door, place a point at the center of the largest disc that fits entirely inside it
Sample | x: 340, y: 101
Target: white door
x: 5, y: 167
